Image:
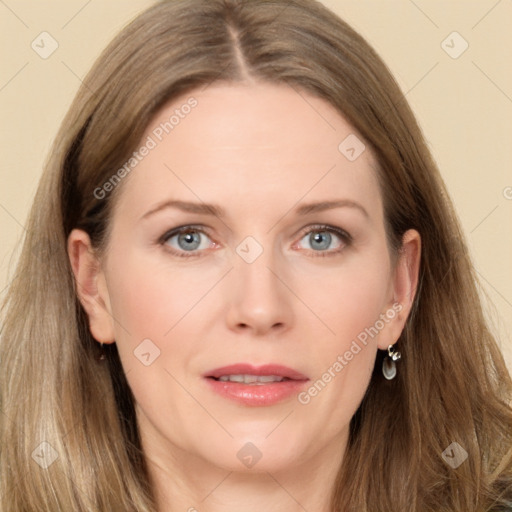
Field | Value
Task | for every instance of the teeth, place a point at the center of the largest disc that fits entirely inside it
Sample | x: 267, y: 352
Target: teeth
x: 251, y: 379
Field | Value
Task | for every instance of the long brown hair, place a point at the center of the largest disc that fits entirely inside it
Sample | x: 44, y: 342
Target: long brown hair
x: 59, y: 403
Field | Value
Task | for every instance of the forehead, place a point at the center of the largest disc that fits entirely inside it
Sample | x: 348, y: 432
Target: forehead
x: 265, y: 144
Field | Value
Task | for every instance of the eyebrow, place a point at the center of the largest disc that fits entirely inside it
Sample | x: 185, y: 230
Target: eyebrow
x: 218, y: 211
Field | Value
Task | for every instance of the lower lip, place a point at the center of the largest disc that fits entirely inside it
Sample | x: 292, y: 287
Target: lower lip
x: 257, y: 394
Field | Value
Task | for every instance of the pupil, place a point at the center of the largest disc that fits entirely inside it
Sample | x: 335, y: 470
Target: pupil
x: 323, y: 240
x: 191, y: 241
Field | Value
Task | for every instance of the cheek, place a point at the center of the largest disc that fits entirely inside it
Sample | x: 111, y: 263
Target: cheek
x: 351, y: 307
x: 149, y: 300
x: 154, y: 311
x: 160, y: 317
x: 350, y: 302
x: 349, y: 299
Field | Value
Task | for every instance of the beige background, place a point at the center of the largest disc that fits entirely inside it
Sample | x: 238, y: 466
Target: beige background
x: 464, y: 105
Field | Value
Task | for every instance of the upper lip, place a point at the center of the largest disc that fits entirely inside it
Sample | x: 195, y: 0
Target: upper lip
x: 248, y: 369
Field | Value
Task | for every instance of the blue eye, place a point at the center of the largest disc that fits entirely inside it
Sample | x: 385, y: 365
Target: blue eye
x: 191, y: 241
x: 185, y: 240
x: 321, y: 239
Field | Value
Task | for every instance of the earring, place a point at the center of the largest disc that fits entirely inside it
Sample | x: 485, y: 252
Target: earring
x: 389, y: 363
x: 101, y: 356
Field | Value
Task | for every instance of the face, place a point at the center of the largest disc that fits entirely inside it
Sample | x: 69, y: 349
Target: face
x: 249, y: 236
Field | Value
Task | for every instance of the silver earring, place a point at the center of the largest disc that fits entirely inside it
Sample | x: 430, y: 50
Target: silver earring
x: 389, y: 363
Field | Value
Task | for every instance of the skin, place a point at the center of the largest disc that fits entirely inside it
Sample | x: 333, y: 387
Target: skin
x: 258, y: 151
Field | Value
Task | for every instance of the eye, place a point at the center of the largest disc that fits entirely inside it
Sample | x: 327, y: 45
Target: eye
x: 326, y: 240
x: 186, y: 241
x: 190, y: 241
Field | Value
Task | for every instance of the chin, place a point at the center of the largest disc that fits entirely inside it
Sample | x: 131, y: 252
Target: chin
x: 258, y: 453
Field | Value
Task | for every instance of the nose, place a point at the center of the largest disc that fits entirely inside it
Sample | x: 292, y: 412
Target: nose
x: 259, y: 300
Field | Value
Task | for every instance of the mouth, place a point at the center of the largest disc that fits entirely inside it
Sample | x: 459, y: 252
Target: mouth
x: 256, y: 385
x: 257, y: 380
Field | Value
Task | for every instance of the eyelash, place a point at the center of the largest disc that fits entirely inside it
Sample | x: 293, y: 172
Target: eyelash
x: 320, y: 228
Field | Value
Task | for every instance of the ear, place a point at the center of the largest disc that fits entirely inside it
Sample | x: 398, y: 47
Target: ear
x: 91, y: 286
x: 403, y: 288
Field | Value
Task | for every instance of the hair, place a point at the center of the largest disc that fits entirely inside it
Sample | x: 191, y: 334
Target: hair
x: 452, y: 383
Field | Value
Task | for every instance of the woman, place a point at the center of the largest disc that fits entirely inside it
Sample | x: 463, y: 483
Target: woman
x: 251, y: 290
